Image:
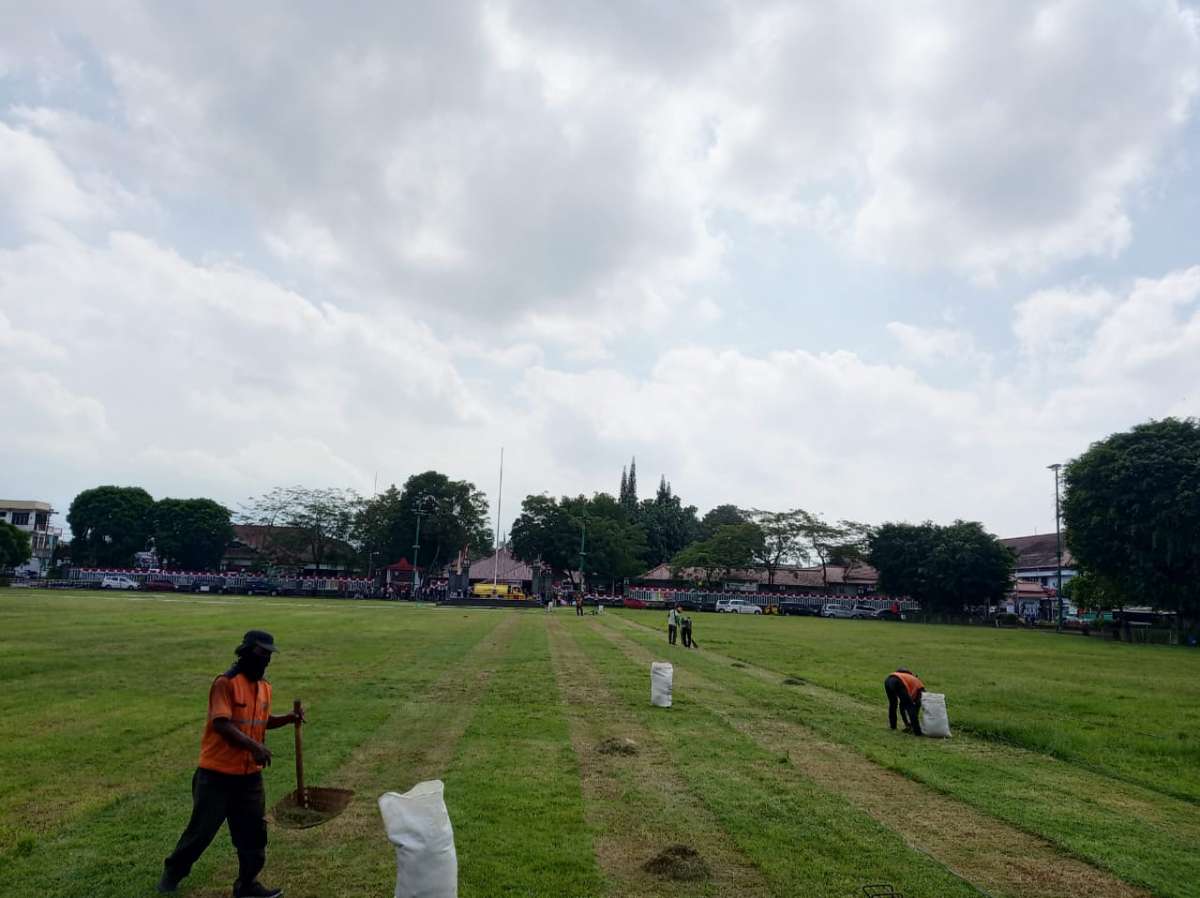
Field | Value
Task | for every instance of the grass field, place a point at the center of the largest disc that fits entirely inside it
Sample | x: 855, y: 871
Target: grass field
x: 1074, y: 769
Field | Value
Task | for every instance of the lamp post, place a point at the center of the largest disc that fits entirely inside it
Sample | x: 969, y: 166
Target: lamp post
x: 1056, y: 467
x: 420, y: 509
x: 582, y: 554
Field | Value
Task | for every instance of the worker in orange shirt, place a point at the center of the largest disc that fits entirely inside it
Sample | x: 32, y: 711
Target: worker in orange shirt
x: 904, y: 688
x: 227, y: 784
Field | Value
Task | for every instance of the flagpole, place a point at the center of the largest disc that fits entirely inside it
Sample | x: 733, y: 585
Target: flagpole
x: 499, y: 502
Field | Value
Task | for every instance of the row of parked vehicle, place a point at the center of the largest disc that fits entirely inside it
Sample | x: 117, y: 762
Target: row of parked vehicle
x: 213, y: 584
x: 830, y: 609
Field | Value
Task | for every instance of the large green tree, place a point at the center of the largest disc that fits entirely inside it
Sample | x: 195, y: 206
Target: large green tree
x: 553, y: 532
x: 1132, y: 513
x: 945, y: 568
x: 109, y: 524
x: 731, y: 546
x: 453, y: 513
x: 668, y: 523
x: 191, y: 533
x: 718, y: 517
x: 14, y: 546
x: 843, y: 543
x: 783, y: 538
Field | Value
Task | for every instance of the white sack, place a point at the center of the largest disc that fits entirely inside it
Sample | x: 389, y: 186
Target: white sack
x: 934, y: 719
x: 661, y: 674
x: 418, y: 824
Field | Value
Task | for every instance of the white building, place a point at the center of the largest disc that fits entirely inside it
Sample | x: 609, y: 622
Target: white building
x: 34, y: 519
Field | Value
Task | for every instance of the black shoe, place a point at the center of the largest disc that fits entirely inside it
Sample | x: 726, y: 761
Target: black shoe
x: 254, y: 890
x: 167, y: 885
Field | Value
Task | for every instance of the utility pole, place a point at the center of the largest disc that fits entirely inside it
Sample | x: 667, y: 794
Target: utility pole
x: 420, y: 508
x: 1058, y: 543
x: 582, y: 554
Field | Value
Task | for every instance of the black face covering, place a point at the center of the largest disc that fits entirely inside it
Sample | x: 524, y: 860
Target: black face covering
x: 252, y: 665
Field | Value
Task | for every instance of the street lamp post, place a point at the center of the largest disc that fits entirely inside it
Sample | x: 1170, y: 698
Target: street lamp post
x: 420, y: 508
x: 1056, y: 467
x: 582, y: 554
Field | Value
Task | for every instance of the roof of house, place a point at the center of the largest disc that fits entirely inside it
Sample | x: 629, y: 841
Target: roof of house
x: 785, y: 575
x: 502, y: 566
x: 1038, y: 551
x: 24, y: 505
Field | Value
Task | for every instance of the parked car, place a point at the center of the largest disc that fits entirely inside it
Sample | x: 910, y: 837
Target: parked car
x: 737, y: 606
x: 863, y: 612
x: 800, y: 608
x: 834, y: 610
x: 118, y: 582
x: 259, y: 587
x: 158, y: 585
x: 207, y: 584
x: 888, y: 614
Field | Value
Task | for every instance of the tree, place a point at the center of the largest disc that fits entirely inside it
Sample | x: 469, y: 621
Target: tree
x: 551, y: 531
x: 669, y: 524
x: 454, y: 516
x: 628, y: 496
x: 110, y: 524
x: 14, y: 546
x: 1092, y: 592
x: 191, y: 533
x: 943, y: 568
x: 719, y: 516
x: 731, y: 547
x: 843, y: 543
x: 1132, y: 512
x: 783, y: 538
x: 305, y: 525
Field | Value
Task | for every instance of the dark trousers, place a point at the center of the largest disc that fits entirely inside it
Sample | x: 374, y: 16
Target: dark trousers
x: 898, y: 695
x: 671, y: 633
x: 579, y: 611
x: 217, y: 798
x: 687, y: 637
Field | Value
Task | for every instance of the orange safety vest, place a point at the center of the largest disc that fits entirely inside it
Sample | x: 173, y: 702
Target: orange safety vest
x: 912, y: 684
x: 247, y: 704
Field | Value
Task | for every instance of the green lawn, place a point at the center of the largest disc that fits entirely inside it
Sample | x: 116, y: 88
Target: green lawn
x: 1073, y: 769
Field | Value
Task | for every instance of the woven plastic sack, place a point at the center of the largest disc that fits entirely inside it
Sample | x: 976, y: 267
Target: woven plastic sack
x: 934, y: 719
x: 661, y: 674
x: 418, y: 824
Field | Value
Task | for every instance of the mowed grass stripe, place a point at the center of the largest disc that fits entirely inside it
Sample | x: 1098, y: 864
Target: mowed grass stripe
x: 513, y: 789
x: 807, y: 840
x: 350, y: 855
x: 638, y: 804
x: 1001, y: 859
x: 348, y: 675
x: 1133, y: 710
x: 1144, y: 838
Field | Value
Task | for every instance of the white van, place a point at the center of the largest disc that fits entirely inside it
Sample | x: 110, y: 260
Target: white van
x: 737, y: 606
x: 118, y: 582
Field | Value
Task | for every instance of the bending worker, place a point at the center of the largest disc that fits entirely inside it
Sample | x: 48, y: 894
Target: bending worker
x: 904, y: 688
x: 227, y: 785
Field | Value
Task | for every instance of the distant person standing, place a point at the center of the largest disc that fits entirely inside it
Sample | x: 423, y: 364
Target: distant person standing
x: 579, y: 604
x: 227, y: 786
x: 685, y: 631
x: 672, y: 624
x: 904, y: 689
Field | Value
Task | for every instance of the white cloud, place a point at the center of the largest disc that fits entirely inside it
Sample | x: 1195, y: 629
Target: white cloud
x: 927, y: 345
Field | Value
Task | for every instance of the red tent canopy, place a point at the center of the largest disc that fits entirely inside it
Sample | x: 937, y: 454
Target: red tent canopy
x: 402, y: 566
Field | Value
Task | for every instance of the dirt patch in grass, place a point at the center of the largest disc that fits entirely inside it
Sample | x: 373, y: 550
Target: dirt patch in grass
x: 615, y: 745
x: 737, y: 664
x: 681, y: 863
x: 795, y: 681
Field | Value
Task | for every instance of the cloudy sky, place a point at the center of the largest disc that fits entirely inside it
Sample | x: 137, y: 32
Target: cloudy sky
x: 882, y: 261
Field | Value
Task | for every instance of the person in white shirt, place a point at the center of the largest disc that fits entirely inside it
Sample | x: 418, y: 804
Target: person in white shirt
x: 672, y: 624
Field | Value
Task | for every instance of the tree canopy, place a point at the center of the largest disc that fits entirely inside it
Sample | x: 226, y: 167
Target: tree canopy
x: 110, y: 524
x: 945, y: 568
x: 783, y: 538
x: 1132, y: 513
x: 14, y: 546
x: 306, y: 525
x: 551, y: 531
x: 668, y: 523
x: 191, y: 533
x: 719, y: 516
x: 730, y: 547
